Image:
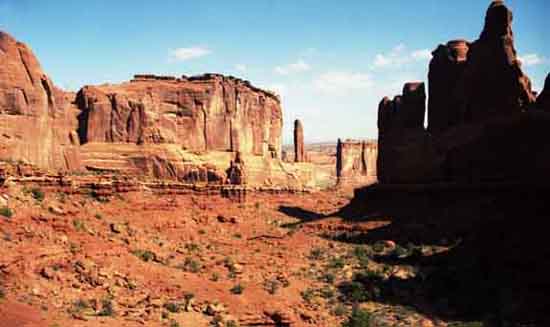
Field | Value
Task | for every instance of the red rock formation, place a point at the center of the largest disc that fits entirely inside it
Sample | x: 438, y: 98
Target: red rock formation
x: 543, y: 100
x: 493, y: 83
x: 299, y: 150
x: 205, y: 113
x: 473, y: 124
x: 355, y: 161
x: 36, y: 121
x: 446, y: 68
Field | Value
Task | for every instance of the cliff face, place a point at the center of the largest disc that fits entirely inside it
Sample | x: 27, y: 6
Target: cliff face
x: 482, y: 119
x: 355, y: 162
x: 206, y: 113
x: 187, y: 129
x: 36, y: 121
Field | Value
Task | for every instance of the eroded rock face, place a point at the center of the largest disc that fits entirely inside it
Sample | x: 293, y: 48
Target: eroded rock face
x: 36, y: 120
x: 299, y: 150
x: 446, y: 68
x: 205, y: 113
x: 355, y: 161
x: 493, y: 83
x: 543, y: 100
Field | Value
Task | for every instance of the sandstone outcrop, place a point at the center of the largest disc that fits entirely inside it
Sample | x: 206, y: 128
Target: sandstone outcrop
x: 299, y: 150
x: 37, y: 123
x: 493, y: 83
x: 355, y: 161
x: 480, y: 107
x: 186, y: 129
x: 205, y: 113
x: 446, y: 68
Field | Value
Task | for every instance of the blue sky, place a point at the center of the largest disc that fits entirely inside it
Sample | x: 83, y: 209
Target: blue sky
x: 332, y: 61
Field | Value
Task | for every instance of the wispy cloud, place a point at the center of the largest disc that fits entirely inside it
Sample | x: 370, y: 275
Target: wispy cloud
x: 183, y: 54
x: 400, y: 56
x: 241, y: 68
x: 342, y: 82
x: 297, y: 67
x: 531, y: 59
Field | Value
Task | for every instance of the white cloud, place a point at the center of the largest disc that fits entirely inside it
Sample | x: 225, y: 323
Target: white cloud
x: 241, y: 68
x: 531, y: 59
x: 280, y: 89
x: 297, y: 67
x: 423, y: 54
x: 400, y: 56
x: 341, y: 83
x: 182, y: 54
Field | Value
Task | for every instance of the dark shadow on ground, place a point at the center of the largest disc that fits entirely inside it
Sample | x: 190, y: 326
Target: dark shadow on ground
x: 497, y: 273
x: 302, y: 215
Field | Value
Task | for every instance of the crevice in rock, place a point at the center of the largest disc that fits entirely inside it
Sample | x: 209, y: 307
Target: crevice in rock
x: 25, y: 65
x: 49, y: 94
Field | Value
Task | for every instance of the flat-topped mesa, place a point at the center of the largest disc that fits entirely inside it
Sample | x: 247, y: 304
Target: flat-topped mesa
x: 299, y: 150
x: 543, y: 100
x: 35, y: 122
x: 446, y: 67
x: 493, y: 83
x: 205, y: 113
x: 403, y: 112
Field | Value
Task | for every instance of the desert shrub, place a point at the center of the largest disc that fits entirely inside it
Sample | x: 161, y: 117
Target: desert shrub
x: 326, y: 292
x: 339, y: 310
x: 107, y: 309
x: 37, y: 194
x: 359, y: 318
x: 145, y: 255
x: 467, y: 324
x: 308, y: 295
x: 271, y: 286
x: 172, y: 307
x: 79, y: 225
x: 190, y: 265
x: 237, y: 289
x: 6, y: 212
x: 316, y: 254
x: 355, y: 292
x: 215, y: 277
x: 336, y: 263
x: 328, y: 278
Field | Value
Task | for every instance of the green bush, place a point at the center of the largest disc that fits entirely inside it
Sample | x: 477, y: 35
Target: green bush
x: 145, y: 255
x: 6, y: 212
x: 358, y: 318
x: 237, y: 289
x: 37, y: 194
x: 106, y: 308
x: 172, y: 307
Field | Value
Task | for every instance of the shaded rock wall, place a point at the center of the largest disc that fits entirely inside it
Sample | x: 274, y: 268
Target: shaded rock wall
x: 481, y: 122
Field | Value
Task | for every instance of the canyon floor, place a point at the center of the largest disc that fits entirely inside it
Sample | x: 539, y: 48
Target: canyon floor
x: 142, y: 259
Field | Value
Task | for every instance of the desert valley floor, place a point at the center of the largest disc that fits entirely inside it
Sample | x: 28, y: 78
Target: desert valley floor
x: 143, y: 259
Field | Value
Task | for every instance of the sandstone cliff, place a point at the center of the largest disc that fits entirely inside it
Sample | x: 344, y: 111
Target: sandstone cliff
x: 37, y: 124
x: 204, y: 113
